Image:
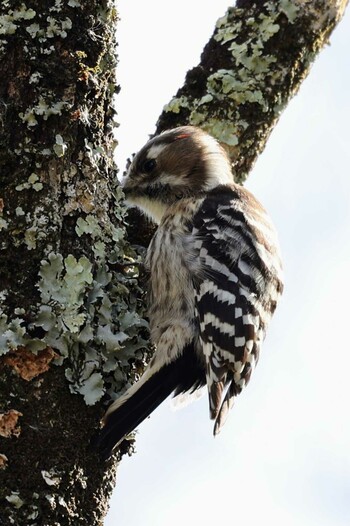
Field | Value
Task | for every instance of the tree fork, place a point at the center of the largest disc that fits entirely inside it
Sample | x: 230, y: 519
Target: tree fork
x: 70, y: 310
x: 254, y: 63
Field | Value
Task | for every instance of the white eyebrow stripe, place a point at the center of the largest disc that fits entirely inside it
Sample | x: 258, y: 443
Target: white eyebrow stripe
x: 155, y: 150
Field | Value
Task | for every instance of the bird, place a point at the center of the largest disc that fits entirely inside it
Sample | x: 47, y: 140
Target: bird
x: 215, y: 279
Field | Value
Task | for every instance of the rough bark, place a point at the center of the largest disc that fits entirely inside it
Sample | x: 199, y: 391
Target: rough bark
x: 70, y: 325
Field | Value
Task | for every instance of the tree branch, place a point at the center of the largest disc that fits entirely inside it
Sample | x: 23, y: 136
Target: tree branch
x: 252, y: 66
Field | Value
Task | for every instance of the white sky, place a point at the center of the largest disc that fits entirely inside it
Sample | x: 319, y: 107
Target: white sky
x: 283, y: 456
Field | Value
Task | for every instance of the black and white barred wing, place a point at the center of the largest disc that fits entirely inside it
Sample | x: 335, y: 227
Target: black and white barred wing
x: 236, y: 292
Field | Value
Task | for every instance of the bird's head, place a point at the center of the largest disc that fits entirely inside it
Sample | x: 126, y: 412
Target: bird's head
x: 179, y: 163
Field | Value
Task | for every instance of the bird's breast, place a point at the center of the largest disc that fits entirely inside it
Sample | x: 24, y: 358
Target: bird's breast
x: 171, y: 290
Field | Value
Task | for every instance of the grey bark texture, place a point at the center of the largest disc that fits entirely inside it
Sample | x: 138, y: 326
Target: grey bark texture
x: 67, y: 299
x: 71, y: 300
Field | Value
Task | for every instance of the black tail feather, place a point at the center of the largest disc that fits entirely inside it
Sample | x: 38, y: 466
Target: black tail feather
x: 184, y: 374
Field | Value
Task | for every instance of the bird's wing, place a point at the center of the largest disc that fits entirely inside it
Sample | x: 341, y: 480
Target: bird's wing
x: 230, y: 324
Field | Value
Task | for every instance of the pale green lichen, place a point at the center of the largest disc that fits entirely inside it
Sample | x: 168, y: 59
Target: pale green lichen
x: 226, y: 31
x: 15, y: 500
x: 34, y: 514
x: 95, y: 153
x: 46, y: 152
x: 176, y: 104
x: 267, y: 27
x: 3, y: 295
x: 12, y: 334
x: 223, y: 84
x: 64, y: 283
x: 290, y: 9
x: 7, y: 27
x: 3, y: 224
x: 35, y: 77
x: 245, y: 84
x: 52, y: 28
x: 44, y: 110
x: 58, y: 27
x: 60, y: 147
x: 47, y: 50
x: 33, y: 29
x: 35, y: 183
x: 82, y: 309
x: 30, y: 238
x: 36, y: 223
x: 52, y: 477
x: 56, y: 7
x: 89, y: 225
x: 8, y: 24
x: 19, y: 211
x: 99, y: 249
x: 91, y: 387
x: 205, y: 99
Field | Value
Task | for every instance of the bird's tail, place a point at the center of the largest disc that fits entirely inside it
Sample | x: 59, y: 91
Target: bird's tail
x: 128, y: 411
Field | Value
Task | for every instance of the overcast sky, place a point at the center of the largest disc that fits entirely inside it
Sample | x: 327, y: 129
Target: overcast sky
x: 283, y: 456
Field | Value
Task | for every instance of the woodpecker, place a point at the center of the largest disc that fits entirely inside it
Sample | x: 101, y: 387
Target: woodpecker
x: 215, y: 278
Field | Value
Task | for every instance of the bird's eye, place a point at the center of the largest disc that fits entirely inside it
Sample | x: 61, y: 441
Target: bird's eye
x: 149, y: 165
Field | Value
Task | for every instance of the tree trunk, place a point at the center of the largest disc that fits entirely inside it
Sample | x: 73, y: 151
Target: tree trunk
x: 71, y: 329
x: 68, y: 323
